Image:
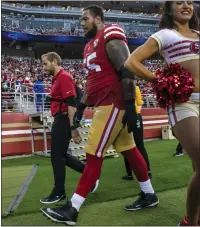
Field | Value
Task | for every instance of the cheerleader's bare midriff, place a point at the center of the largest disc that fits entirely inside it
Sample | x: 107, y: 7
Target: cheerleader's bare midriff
x: 193, y: 67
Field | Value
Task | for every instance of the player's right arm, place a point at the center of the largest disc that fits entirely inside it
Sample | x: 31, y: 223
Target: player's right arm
x: 118, y: 52
x: 133, y: 63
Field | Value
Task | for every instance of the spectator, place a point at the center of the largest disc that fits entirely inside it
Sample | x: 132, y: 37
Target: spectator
x: 23, y: 72
x: 39, y: 90
x: 18, y: 83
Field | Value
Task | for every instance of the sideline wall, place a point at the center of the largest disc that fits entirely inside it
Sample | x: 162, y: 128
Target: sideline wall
x: 16, y: 131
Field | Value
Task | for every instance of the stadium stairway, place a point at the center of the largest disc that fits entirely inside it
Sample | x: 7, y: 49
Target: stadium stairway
x: 43, y: 122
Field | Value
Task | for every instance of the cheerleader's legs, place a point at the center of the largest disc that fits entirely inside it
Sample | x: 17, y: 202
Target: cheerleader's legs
x: 199, y: 210
x: 187, y: 132
x: 184, y: 118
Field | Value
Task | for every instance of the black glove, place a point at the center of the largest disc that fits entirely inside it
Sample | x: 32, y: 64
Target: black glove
x: 130, y: 116
x: 79, y: 114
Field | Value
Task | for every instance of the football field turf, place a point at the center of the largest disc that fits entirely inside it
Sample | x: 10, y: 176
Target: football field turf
x: 106, y: 205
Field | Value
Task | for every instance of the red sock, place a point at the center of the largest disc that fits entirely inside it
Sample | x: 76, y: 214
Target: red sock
x: 90, y: 175
x: 185, y: 222
x: 137, y: 164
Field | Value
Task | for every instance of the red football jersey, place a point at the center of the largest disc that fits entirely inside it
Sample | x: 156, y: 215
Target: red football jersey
x: 103, y: 84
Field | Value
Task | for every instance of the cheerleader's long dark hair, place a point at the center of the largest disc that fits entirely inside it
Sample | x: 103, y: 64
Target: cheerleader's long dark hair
x: 167, y: 20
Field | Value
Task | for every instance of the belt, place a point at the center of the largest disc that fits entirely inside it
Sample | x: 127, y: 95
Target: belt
x: 60, y: 114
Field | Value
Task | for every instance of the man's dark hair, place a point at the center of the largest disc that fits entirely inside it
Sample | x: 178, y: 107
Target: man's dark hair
x: 96, y: 11
x: 168, y: 22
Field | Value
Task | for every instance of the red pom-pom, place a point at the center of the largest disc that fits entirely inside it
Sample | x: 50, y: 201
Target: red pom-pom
x: 174, y: 85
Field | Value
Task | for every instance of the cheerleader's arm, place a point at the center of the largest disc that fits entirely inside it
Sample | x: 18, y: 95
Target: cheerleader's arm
x: 144, y: 52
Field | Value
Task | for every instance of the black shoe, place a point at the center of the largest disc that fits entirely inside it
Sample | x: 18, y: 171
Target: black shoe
x: 149, y: 174
x: 95, y: 186
x: 144, y: 201
x: 65, y: 214
x: 53, y: 198
x: 127, y: 177
x: 177, y: 154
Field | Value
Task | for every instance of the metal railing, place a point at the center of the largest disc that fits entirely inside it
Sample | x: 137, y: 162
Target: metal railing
x: 35, y: 102
x: 149, y: 101
x: 19, y: 98
x: 31, y: 102
x: 9, y: 102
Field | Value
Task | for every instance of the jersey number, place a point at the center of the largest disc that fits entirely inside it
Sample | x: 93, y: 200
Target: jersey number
x: 93, y: 66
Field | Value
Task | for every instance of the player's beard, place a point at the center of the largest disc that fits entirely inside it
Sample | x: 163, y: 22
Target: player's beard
x: 92, y: 32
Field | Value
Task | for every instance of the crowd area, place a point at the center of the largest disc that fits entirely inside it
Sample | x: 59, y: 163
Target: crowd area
x: 25, y: 71
x: 43, y: 31
x: 65, y: 31
x: 26, y: 74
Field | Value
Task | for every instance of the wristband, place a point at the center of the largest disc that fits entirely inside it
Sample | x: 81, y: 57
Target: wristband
x: 73, y: 127
x: 124, y: 73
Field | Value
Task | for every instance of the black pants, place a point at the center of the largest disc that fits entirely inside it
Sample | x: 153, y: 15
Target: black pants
x: 60, y: 139
x: 179, y: 148
x: 139, y: 141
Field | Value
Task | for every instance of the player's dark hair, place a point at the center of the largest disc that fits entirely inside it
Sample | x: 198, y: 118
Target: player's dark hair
x: 96, y: 11
x: 167, y: 18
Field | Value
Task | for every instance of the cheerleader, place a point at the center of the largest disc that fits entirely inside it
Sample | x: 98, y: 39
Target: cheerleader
x: 178, y: 42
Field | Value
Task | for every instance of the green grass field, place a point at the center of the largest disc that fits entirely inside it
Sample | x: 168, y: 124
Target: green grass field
x: 106, y: 206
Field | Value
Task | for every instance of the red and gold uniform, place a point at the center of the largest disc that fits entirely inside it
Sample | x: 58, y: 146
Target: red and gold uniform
x: 105, y: 93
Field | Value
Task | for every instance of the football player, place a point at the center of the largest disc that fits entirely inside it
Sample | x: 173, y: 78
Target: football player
x: 109, y: 89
